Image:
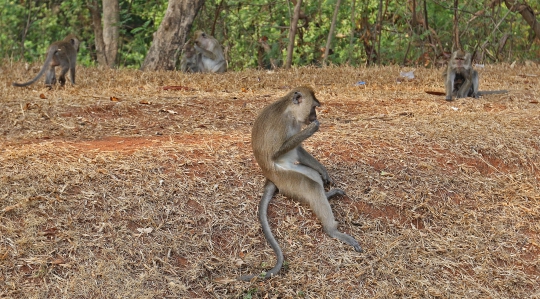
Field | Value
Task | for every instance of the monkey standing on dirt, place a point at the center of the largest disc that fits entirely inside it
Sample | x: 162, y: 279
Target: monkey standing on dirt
x: 461, y: 80
x: 61, y: 53
x: 277, y: 145
x: 212, y: 57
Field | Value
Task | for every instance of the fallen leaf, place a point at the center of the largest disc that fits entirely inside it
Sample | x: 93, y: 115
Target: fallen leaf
x: 58, y: 261
x: 176, y: 88
x: 384, y: 173
x: 145, y: 230
x: 239, y: 263
x: 224, y: 280
x: 145, y: 102
x: 168, y: 111
x: 42, y: 96
x: 115, y: 99
x: 435, y: 93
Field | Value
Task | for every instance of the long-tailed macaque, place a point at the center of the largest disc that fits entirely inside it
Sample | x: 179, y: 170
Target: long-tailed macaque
x: 461, y: 80
x: 191, y: 59
x: 212, y: 57
x: 61, y: 53
x: 276, y: 139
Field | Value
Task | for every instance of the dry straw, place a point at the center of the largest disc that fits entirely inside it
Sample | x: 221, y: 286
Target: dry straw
x: 120, y: 188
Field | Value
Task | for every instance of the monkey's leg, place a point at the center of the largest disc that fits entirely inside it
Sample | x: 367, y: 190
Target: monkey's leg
x: 296, y: 139
x: 62, y: 77
x: 50, y: 76
x: 65, y: 66
x: 450, y: 77
x: 205, y: 52
x: 334, y: 192
x: 308, y: 160
x: 269, y: 190
x: 465, y: 89
x: 475, y: 84
x: 311, y: 191
x: 72, y: 74
x: 321, y: 207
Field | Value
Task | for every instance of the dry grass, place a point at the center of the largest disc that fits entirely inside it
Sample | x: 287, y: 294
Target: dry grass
x: 155, y: 195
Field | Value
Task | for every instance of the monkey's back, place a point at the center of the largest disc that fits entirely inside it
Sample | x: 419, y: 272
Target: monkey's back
x: 268, y: 134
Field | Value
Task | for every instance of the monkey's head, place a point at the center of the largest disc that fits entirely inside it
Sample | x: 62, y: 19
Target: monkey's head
x: 73, y: 40
x: 202, y: 39
x: 461, y: 59
x: 304, y: 103
x: 188, y: 49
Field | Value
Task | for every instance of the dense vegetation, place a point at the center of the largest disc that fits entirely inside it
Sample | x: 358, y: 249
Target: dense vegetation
x: 487, y: 27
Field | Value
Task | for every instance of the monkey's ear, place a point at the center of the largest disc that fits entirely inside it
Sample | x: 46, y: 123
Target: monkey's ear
x: 297, y: 98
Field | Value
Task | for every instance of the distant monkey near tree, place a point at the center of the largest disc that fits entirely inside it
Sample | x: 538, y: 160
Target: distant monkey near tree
x: 191, y: 59
x: 61, y: 53
x: 461, y: 80
x: 212, y: 57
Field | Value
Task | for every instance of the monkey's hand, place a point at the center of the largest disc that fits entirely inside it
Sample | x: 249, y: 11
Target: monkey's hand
x: 204, y: 52
x: 313, y: 127
x: 327, y: 180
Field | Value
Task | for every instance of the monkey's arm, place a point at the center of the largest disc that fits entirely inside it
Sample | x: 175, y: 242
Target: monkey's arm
x: 449, y: 82
x: 269, y: 190
x: 205, y: 52
x: 295, y: 140
x: 308, y: 160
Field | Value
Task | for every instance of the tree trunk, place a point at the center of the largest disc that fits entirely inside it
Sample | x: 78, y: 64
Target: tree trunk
x: 379, y: 29
x: 457, y: 43
x: 353, y: 30
x: 292, y: 33
x: 331, y: 33
x: 93, y: 6
x: 527, y: 13
x: 171, y: 35
x: 111, y: 32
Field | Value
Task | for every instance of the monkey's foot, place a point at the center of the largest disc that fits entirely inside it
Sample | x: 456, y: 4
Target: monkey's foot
x: 334, y: 192
x: 343, y: 237
x: 357, y: 248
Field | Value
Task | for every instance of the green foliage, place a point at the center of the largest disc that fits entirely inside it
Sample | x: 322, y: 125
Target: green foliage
x: 28, y: 27
x: 139, y: 20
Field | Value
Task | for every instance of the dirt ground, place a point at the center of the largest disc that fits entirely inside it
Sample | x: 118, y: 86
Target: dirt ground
x: 138, y: 184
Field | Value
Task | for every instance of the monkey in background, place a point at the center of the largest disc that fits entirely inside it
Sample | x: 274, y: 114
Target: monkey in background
x: 461, y: 80
x: 276, y: 139
x: 212, y: 57
x: 191, y: 59
x: 61, y: 53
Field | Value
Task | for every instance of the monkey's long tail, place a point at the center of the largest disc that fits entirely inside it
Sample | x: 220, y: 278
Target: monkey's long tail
x: 269, y: 190
x: 481, y: 93
x: 46, y: 64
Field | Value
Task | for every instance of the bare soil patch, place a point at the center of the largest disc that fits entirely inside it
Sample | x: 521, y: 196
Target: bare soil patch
x: 123, y: 187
